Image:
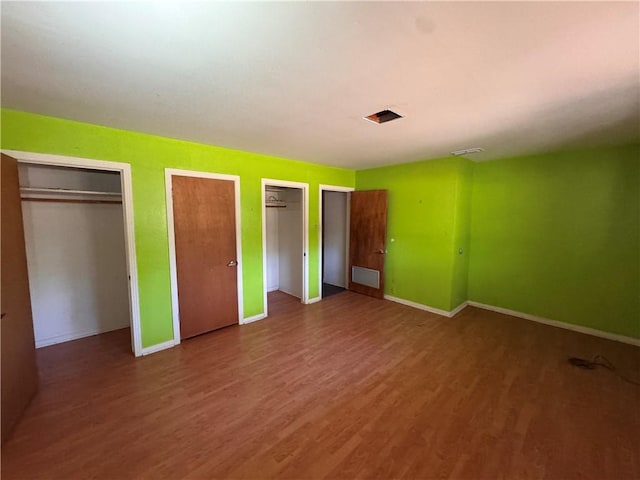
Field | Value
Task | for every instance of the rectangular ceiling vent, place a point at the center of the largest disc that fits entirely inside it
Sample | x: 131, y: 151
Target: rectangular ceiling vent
x: 467, y: 151
x: 383, y: 116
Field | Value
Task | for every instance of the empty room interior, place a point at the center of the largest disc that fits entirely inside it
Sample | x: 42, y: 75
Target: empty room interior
x: 320, y: 240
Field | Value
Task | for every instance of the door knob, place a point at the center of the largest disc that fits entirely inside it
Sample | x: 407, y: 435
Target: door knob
x: 232, y: 263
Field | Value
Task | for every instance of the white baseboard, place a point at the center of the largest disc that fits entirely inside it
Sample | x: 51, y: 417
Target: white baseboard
x: 254, y: 318
x: 272, y: 289
x: 170, y: 343
x: 526, y: 316
x: 290, y: 293
x: 314, y: 300
x: 556, y: 323
x: 458, y: 309
x: 67, y: 337
x: 421, y: 306
x: 159, y: 347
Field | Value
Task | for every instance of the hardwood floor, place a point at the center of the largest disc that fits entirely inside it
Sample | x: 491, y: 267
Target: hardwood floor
x: 351, y: 387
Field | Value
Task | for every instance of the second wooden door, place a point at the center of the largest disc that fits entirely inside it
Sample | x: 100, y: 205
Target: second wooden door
x: 206, y: 263
x: 367, y: 242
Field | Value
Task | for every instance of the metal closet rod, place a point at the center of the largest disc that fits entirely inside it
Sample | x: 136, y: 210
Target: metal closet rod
x: 68, y: 200
x: 66, y: 191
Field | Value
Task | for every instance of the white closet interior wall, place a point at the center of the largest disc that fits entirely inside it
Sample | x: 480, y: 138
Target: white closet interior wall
x: 284, y: 242
x: 273, y: 258
x: 290, y: 243
x: 334, y: 238
x: 75, y: 256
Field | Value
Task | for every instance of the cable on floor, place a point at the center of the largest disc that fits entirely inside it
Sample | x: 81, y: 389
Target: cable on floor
x: 599, y: 361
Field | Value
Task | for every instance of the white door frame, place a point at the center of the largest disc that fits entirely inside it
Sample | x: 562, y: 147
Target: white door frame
x: 127, y: 209
x: 331, y: 188
x: 175, y: 307
x: 305, y: 235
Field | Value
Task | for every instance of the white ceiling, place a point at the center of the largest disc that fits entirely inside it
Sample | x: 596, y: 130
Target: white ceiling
x: 295, y: 79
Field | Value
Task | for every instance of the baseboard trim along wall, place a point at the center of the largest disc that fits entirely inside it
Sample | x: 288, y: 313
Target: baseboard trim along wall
x: 67, y: 337
x: 556, y: 323
x: 526, y: 316
x: 457, y: 310
x: 426, y: 308
x: 444, y: 313
x: 170, y: 343
x: 254, y: 318
x: 159, y: 347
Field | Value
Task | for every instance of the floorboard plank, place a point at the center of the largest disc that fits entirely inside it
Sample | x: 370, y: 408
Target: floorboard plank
x: 350, y: 387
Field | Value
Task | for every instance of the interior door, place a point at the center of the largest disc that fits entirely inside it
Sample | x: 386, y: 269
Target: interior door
x: 19, y: 372
x: 206, y: 263
x: 367, y: 244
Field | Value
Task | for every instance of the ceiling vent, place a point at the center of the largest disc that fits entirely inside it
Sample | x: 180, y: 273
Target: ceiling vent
x: 383, y: 116
x: 467, y: 151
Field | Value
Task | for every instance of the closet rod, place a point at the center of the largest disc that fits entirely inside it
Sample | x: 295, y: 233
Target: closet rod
x: 65, y: 191
x: 68, y: 200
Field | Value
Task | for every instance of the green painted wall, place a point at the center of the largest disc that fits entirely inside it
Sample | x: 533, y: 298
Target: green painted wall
x: 554, y: 235
x: 427, y: 223
x: 558, y: 236
x: 149, y: 156
x: 461, y: 233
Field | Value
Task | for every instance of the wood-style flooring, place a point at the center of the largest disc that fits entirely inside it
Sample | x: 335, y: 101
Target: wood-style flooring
x: 351, y: 387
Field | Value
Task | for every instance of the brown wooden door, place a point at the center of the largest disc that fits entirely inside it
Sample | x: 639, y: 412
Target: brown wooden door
x: 206, y: 263
x: 367, y: 244
x: 19, y: 372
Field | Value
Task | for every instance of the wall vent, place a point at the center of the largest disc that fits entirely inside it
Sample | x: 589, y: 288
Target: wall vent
x: 467, y: 151
x: 383, y: 116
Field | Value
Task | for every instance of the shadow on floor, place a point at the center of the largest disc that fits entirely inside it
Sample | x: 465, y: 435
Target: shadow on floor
x: 328, y: 290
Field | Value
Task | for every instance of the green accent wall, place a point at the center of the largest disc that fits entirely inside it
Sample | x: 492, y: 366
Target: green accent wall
x: 461, y: 233
x: 149, y: 155
x: 558, y: 236
x: 554, y: 235
x: 428, y: 221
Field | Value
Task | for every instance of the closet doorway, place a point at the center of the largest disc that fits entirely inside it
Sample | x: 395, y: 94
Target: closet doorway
x: 333, y: 268
x: 284, y: 237
x: 78, y: 232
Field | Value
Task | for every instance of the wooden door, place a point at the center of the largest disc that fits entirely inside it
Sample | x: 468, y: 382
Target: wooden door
x: 367, y: 244
x: 19, y: 372
x: 206, y: 263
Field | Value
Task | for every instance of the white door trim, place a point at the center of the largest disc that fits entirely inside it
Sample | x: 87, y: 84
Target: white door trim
x: 168, y: 174
x: 127, y: 208
x: 331, y: 188
x: 305, y: 236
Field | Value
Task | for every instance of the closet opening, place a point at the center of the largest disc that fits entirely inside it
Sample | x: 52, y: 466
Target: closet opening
x: 334, y: 240
x: 284, y: 242
x: 75, y: 239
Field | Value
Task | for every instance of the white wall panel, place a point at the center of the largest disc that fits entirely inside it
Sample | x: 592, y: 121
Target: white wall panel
x: 334, y: 238
x: 290, y: 243
x: 273, y: 257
